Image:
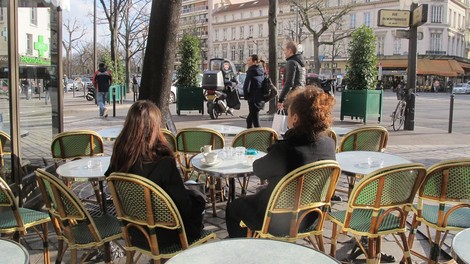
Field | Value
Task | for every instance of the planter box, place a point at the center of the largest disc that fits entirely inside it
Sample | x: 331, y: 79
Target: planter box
x: 361, y: 104
x: 189, y: 98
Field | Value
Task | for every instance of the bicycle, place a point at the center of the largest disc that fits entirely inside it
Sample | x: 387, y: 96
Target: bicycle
x: 398, y: 116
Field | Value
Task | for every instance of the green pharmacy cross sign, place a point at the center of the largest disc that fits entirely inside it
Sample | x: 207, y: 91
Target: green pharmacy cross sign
x: 40, y: 46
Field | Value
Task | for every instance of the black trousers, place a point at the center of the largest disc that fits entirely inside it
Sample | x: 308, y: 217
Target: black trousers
x: 253, y: 116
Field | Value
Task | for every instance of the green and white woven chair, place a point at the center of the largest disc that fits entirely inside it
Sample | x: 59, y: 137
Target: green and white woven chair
x: 443, y: 203
x: 189, y: 142
x: 170, y: 139
x: 260, y: 138
x: 378, y: 206
x: 367, y: 138
x: 15, y: 220
x: 78, y: 228
x: 142, y: 204
x: 304, y: 191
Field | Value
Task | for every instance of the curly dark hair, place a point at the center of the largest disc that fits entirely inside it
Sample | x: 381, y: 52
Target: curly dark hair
x: 314, y: 110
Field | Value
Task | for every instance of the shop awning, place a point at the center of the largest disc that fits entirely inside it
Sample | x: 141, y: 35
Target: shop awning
x: 448, y: 68
x: 464, y: 65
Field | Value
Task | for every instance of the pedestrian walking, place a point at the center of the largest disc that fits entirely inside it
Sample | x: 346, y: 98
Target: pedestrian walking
x: 295, y: 72
x: 102, y: 80
x: 252, y: 90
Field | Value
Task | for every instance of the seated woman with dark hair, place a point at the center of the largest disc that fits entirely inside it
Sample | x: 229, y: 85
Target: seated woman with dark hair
x: 141, y: 149
x: 309, y: 115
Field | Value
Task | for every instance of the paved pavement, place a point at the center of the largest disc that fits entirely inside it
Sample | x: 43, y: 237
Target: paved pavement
x: 430, y: 142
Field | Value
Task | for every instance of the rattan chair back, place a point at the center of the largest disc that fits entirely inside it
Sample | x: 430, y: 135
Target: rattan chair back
x: 260, y: 138
x: 443, y: 202
x: 15, y: 219
x: 141, y: 203
x: 189, y: 142
x: 332, y: 134
x: 367, y: 138
x: 303, y: 191
x: 79, y: 228
x: 170, y: 139
x: 4, y: 146
x: 76, y: 144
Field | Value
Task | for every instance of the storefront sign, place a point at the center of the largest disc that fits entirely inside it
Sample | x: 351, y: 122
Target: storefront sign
x: 420, y: 15
x: 26, y: 60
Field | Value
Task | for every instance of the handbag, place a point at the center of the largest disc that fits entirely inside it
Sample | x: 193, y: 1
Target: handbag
x: 280, y: 122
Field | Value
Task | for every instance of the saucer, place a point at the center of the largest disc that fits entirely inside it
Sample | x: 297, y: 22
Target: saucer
x: 216, y: 161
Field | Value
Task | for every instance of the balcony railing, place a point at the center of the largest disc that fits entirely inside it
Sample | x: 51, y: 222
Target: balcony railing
x: 436, y: 52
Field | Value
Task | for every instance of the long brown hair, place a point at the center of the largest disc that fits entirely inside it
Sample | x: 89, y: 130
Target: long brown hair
x: 141, y: 139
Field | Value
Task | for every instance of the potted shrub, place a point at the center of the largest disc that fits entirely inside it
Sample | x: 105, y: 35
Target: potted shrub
x: 188, y: 95
x: 361, y: 100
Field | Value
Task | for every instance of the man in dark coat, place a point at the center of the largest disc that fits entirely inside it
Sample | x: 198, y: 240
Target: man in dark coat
x: 295, y: 72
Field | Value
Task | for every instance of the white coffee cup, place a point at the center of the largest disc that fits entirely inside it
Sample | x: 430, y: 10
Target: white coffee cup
x: 210, y: 157
x: 206, y: 148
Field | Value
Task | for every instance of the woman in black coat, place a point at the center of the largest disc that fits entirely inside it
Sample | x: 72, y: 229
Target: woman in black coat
x: 252, y: 90
x: 309, y: 115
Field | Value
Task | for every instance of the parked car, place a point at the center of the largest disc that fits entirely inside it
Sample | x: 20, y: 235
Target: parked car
x: 241, y: 81
x: 69, y: 85
x: 461, y: 88
x: 171, y: 98
x: 87, y: 82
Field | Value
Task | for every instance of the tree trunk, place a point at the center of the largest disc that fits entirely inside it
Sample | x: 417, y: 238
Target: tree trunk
x: 316, y: 54
x: 273, y: 65
x: 160, y: 52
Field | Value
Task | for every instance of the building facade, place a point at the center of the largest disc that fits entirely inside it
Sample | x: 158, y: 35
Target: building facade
x: 239, y: 30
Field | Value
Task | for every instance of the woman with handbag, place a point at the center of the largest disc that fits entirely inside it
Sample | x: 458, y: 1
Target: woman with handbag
x: 309, y: 115
x: 252, y: 90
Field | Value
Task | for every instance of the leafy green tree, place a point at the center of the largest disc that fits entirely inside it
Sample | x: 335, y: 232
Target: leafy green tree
x: 118, y: 74
x: 362, y: 63
x: 190, y: 54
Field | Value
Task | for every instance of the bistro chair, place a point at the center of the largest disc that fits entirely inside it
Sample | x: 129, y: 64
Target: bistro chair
x: 15, y: 220
x: 260, y: 138
x: 171, y: 139
x: 189, y: 142
x: 367, y: 138
x: 332, y: 134
x: 5, y: 159
x: 378, y: 206
x: 443, y: 203
x: 304, y: 192
x: 77, y: 144
x: 78, y: 228
x: 145, y: 206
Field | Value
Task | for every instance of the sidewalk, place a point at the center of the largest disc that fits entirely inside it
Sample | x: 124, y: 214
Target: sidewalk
x: 424, y: 145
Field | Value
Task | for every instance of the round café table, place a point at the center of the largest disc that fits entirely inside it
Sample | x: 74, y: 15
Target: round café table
x: 228, y: 167
x: 110, y: 133
x: 225, y: 130
x: 12, y: 252
x: 460, y: 246
x: 251, y: 251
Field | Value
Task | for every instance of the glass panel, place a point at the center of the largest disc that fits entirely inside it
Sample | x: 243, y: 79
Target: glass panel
x: 5, y: 164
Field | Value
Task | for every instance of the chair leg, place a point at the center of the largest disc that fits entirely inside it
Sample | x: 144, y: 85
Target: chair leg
x: 320, y: 243
x: 73, y: 257
x: 435, y: 248
x: 334, y: 237
x: 130, y: 256
x: 47, y: 258
x: 60, y: 250
x: 107, y: 252
x: 371, y: 251
x: 406, y: 248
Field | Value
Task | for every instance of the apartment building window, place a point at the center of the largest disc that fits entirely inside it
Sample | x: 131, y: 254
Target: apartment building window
x: 380, y: 45
x: 396, y: 46
x: 225, y: 34
x: 327, y: 3
x: 1, y: 14
x: 224, y: 51
x: 225, y: 18
x: 241, y: 49
x: 233, y: 17
x: 233, y: 52
x: 352, y: 21
x: 367, y: 19
x: 436, y: 14
x: 250, y: 31
x: 261, y: 13
x: 34, y: 16
x: 216, y: 35
x: 29, y: 44
x: 251, y: 13
x: 449, y: 19
x: 242, y: 32
x: 455, y: 19
x: 339, y: 3
x: 234, y: 33
x: 435, y: 41
x: 250, y: 49
x: 216, y: 52
x: 241, y: 15
x: 260, y: 30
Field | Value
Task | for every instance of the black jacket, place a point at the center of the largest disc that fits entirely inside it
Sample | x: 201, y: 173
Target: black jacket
x: 294, y: 74
x: 102, y: 80
x: 252, y: 86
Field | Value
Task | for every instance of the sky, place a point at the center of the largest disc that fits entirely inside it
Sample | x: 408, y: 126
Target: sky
x: 82, y: 10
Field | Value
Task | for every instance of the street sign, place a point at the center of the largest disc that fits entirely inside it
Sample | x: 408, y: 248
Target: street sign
x: 420, y: 15
x: 394, y: 18
x: 402, y: 33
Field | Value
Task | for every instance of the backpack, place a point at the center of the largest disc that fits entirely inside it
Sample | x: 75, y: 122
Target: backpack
x: 268, y: 89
